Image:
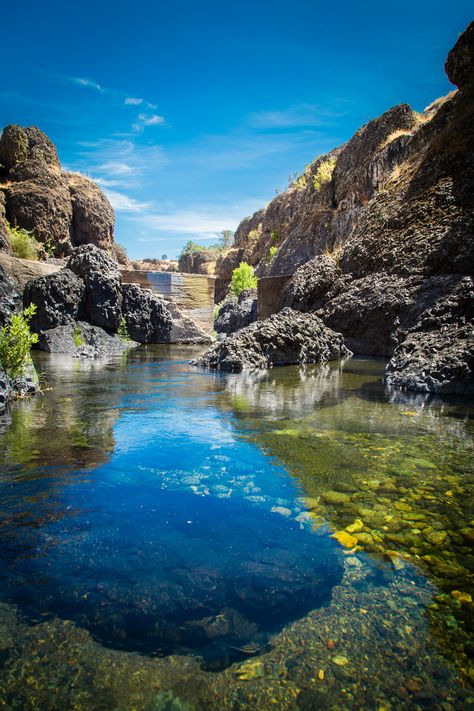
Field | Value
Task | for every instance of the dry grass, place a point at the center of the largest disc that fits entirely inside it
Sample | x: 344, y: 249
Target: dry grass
x: 334, y: 252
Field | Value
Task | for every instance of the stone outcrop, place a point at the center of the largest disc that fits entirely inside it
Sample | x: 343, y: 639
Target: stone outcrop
x: 201, y: 261
x: 23, y: 270
x: 235, y: 314
x: 58, y: 299
x: 87, y: 296
x: 147, y: 318
x: 82, y: 340
x: 289, y: 337
x: 378, y: 237
x: 102, y: 303
x: 63, y: 210
x: 10, y: 296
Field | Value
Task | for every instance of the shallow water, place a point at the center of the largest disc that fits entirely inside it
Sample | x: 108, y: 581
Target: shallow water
x: 173, y: 538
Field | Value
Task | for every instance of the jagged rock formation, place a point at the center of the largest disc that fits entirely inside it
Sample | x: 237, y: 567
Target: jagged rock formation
x: 378, y: 237
x: 155, y: 265
x: 10, y: 296
x: 235, y: 314
x: 286, y: 338
x: 62, y: 209
x: 87, y: 299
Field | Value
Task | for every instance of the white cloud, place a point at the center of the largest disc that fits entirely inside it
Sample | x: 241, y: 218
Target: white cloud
x: 115, y: 168
x: 131, y: 101
x: 125, y: 203
x: 90, y: 83
x: 147, y: 120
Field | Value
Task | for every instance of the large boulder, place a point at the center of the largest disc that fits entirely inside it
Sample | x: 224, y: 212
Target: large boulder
x: 92, y: 214
x: 82, y: 340
x: 439, y: 361
x: 57, y: 297
x: 18, y: 144
x: 146, y: 316
x: 235, y: 314
x: 313, y: 284
x: 103, y: 285
x: 10, y: 296
x: 288, y: 337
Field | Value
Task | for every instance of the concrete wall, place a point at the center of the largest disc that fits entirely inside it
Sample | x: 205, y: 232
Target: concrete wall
x: 268, y: 294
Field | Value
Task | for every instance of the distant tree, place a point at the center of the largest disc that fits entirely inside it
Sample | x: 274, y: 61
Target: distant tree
x: 226, y: 239
x: 164, y: 256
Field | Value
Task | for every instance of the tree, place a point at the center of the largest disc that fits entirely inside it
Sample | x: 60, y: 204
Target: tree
x: 226, y: 239
x: 243, y: 277
x: 164, y: 256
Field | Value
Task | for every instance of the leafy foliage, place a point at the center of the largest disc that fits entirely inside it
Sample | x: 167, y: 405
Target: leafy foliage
x: 272, y: 253
x: 324, y: 173
x: 23, y: 242
x: 16, y: 340
x: 123, y: 331
x: 78, y: 339
x: 243, y: 277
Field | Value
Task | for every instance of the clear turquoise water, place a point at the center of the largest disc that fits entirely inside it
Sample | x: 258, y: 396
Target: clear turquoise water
x: 166, y: 513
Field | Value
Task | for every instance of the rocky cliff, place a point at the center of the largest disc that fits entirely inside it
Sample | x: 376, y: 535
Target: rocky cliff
x: 63, y: 210
x: 378, y: 237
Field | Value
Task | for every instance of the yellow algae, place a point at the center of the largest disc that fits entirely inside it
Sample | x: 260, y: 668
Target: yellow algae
x: 358, y: 525
x: 321, y: 674
x: 461, y: 596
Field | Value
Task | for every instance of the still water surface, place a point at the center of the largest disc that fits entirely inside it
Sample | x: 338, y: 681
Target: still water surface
x: 172, y: 538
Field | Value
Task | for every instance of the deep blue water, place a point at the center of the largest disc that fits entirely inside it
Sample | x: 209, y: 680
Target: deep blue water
x: 170, y: 544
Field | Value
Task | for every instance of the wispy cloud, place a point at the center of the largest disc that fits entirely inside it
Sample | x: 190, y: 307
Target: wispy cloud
x: 89, y: 83
x: 131, y: 101
x: 144, y: 120
x: 125, y: 203
x: 305, y: 115
x: 115, y: 168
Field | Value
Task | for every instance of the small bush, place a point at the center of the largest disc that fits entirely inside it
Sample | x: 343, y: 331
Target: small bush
x: 275, y: 235
x: 300, y: 183
x: 78, y: 339
x: 123, y: 331
x: 272, y: 253
x: 243, y: 277
x: 23, y: 242
x: 16, y: 340
x: 324, y: 173
x: 334, y: 253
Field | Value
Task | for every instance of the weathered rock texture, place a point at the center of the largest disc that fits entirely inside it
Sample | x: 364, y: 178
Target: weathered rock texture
x: 286, y: 338
x: 62, y: 209
x: 235, y: 314
x: 10, y: 296
x: 201, y: 261
x: 87, y: 297
x: 378, y: 236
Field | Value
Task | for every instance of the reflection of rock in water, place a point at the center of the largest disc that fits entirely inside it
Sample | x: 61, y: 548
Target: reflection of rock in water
x: 199, y: 575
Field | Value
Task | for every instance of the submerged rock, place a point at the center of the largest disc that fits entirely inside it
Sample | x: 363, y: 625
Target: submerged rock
x: 288, y: 337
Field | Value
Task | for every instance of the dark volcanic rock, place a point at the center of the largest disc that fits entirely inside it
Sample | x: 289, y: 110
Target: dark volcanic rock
x: 460, y: 62
x: 57, y: 297
x: 286, y: 338
x: 103, y: 281
x: 438, y: 361
x: 92, y: 215
x: 19, y: 144
x: 4, y: 238
x: 313, y: 284
x: 97, y: 342
x: 147, y: 318
x: 235, y: 314
x: 5, y: 389
x: 10, y: 296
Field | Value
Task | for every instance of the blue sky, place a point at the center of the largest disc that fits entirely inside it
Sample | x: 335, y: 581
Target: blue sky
x: 191, y: 114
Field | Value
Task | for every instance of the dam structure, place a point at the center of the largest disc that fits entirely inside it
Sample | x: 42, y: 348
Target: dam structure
x: 191, y: 293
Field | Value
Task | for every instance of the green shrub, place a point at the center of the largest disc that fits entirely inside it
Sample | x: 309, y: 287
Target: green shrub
x: 324, y: 173
x: 272, y: 253
x: 123, y: 331
x: 23, y: 242
x: 243, y: 277
x: 275, y: 235
x: 78, y: 339
x: 16, y: 340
